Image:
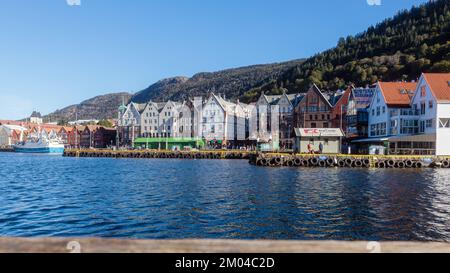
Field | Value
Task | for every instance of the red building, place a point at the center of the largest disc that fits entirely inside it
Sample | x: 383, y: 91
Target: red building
x: 339, y: 113
x: 104, y: 137
x: 313, y: 111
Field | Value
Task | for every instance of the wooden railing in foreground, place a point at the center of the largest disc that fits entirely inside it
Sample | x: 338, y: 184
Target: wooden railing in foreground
x: 88, y: 245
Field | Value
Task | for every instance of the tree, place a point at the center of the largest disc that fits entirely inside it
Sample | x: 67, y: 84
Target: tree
x: 105, y: 123
x: 441, y: 67
x: 62, y: 122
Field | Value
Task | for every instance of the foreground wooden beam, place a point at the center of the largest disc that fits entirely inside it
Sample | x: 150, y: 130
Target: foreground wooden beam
x: 88, y: 245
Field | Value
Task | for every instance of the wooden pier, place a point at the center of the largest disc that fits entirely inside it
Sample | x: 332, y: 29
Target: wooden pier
x: 97, y: 245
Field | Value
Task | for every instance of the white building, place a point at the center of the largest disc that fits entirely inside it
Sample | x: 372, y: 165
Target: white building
x: 7, y: 134
x: 36, y: 118
x: 130, y: 123
x: 390, y: 112
x: 432, y: 101
x: 224, y: 122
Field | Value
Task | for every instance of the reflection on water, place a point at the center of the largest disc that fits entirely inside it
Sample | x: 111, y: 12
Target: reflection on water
x: 55, y: 196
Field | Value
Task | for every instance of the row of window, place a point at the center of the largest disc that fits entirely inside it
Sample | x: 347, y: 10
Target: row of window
x: 379, y: 110
x: 212, y: 128
x: 154, y: 114
x: 149, y: 128
x: 378, y: 129
x: 316, y: 117
x: 156, y: 135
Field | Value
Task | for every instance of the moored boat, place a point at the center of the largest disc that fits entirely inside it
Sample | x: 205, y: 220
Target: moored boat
x: 41, y: 143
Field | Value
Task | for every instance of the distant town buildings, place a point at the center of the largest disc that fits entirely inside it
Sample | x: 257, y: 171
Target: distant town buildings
x: 400, y: 118
x: 396, y: 117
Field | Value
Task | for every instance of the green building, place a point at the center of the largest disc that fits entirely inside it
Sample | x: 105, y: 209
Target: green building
x: 168, y: 143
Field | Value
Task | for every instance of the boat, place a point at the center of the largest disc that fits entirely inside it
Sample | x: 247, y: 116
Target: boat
x: 41, y: 143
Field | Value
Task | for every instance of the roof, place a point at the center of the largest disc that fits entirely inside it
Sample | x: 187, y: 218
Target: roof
x: 293, y: 98
x: 317, y: 90
x: 362, y: 97
x: 439, y: 84
x: 318, y: 132
x: 343, y: 99
x: 13, y: 127
x: 397, y: 93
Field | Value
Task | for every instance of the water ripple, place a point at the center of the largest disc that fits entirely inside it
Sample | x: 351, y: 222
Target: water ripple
x: 55, y: 196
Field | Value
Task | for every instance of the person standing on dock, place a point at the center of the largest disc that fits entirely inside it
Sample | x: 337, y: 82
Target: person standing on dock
x: 321, y: 148
x: 310, y: 148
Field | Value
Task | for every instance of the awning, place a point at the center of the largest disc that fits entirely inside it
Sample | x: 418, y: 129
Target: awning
x: 371, y: 140
x: 318, y: 132
x: 414, y: 138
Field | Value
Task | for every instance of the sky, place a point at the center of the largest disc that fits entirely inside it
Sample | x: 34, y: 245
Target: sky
x: 53, y: 54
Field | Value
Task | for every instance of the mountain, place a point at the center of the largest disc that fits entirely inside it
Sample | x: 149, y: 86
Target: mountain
x: 231, y: 82
x: 100, y: 107
x: 399, y: 48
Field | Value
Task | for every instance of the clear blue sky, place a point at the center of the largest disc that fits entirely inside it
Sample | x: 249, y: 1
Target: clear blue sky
x: 53, y: 55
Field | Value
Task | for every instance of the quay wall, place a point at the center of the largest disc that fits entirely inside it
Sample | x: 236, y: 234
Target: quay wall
x: 160, y: 154
x: 349, y: 161
x: 278, y: 159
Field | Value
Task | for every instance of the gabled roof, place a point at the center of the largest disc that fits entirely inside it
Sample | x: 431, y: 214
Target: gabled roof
x: 363, y: 96
x: 316, y: 89
x: 397, y: 94
x: 140, y: 107
x: 439, y: 84
x: 343, y: 99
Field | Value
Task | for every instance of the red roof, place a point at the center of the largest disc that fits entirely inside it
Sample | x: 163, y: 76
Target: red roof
x: 398, y: 93
x: 439, y: 84
x: 343, y: 101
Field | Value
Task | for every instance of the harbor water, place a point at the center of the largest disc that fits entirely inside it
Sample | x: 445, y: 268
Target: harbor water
x: 42, y: 195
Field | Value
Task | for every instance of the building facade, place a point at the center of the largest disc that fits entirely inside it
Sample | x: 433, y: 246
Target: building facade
x: 431, y: 136
x: 314, y: 110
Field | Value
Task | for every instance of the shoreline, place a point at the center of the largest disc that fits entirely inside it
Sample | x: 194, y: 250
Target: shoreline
x: 278, y: 159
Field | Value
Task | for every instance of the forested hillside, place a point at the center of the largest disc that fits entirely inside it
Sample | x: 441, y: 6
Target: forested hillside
x: 399, y: 48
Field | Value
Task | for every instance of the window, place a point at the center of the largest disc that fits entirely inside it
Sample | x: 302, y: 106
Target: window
x: 373, y: 112
x: 423, y: 91
x: 325, y: 125
x: 444, y: 123
x: 378, y: 110
x: 422, y: 108
x: 430, y: 104
x: 384, y: 109
x: 213, y: 129
x: 313, y: 125
x: 429, y: 123
x: 422, y: 126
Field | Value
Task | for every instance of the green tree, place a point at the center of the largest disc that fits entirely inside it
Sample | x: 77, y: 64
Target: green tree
x: 105, y: 123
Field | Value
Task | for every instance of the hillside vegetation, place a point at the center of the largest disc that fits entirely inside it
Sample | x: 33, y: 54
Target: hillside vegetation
x: 399, y: 48
x: 231, y: 82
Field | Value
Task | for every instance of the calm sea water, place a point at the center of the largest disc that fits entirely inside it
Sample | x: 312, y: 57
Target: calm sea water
x: 136, y: 198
